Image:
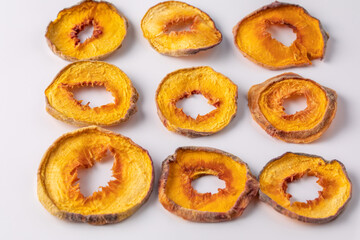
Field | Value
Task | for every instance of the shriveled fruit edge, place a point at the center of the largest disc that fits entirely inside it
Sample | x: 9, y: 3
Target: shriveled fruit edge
x: 58, y: 115
x: 305, y: 136
x: 250, y: 191
x: 185, y: 52
x: 276, y: 4
x: 182, y: 52
x: 73, y: 59
x: 94, y: 219
x: 183, y: 131
x: 265, y: 198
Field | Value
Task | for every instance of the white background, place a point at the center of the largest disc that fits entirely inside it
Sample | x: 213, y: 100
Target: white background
x: 28, y: 66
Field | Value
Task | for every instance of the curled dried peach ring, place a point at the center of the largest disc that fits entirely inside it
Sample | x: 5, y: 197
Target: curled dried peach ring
x: 255, y: 42
x: 164, y: 25
x: 59, y: 193
x: 289, y: 167
x: 61, y: 104
x: 218, y: 89
x: 189, y: 163
x: 109, y: 31
x: 266, y: 107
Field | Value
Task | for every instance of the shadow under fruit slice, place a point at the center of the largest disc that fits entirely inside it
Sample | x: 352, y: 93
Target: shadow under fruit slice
x: 289, y: 167
x: 255, y: 42
x: 218, y: 89
x: 109, y: 31
x: 164, y: 25
x: 266, y: 106
x: 59, y: 193
x: 189, y: 163
x: 61, y: 104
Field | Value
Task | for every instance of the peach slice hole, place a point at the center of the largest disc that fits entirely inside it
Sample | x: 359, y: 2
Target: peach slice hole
x: 208, y: 183
x: 91, y: 179
x: 282, y: 33
x: 195, y: 105
x: 294, y: 104
x: 305, y: 188
x: 93, y: 96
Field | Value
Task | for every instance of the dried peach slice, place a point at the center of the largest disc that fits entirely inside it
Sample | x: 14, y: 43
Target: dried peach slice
x: 61, y: 104
x: 189, y: 163
x: 255, y: 42
x: 109, y: 31
x: 289, y: 167
x: 59, y: 193
x: 266, y: 107
x: 164, y: 25
x: 218, y: 89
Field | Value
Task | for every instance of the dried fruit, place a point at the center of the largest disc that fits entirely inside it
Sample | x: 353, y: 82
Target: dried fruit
x: 61, y: 104
x: 189, y: 163
x: 289, y: 167
x: 164, y: 25
x: 109, y: 31
x: 218, y: 89
x: 266, y: 107
x: 255, y: 42
x: 59, y: 193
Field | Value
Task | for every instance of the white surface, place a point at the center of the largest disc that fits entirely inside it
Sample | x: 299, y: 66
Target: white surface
x: 28, y: 66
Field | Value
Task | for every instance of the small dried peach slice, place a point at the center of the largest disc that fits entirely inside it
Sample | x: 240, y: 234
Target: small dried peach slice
x: 255, y: 42
x: 164, y: 25
x: 266, y: 107
x: 61, y: 104
x: 218, y: 89
x: 289, y: 167
x: 189, y: 163
x: 109, y: 31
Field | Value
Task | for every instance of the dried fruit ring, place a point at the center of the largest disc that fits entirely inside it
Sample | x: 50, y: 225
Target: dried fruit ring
x: 189, y: 163
x: 109, y: 31
x: 60, y: 194
x: 163, y: 26
x: 218, y: 89
x: 266, y: 107
x: 61, y: 104
x: 255, y: 42
x: 289, y: 167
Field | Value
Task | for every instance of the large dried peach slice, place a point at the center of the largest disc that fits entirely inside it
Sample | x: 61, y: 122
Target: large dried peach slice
x: 61, y: 103
x: 336, y: 193
x: 218, y: 89
x: 255, y: 42
x: 165, y: 26
x: 266, y: 106
x: 58, y: 191
x: 109, y: 31
x: 189, y: 163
